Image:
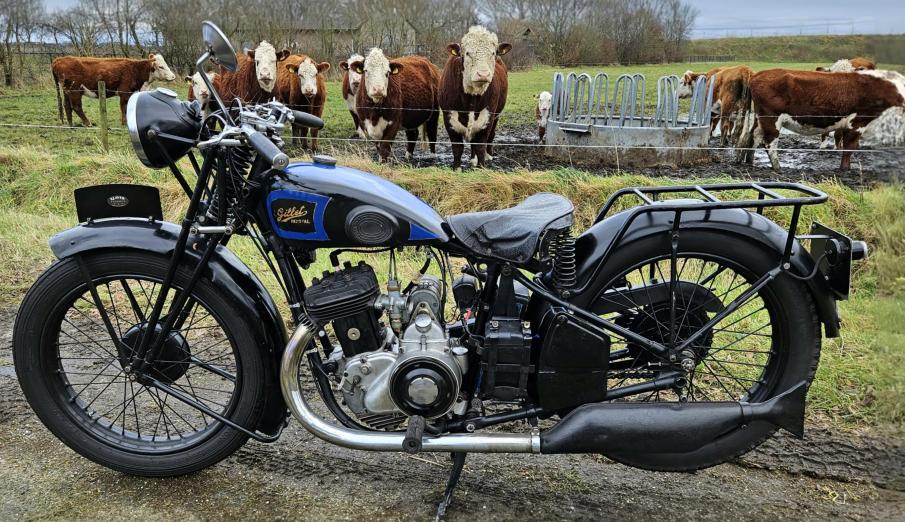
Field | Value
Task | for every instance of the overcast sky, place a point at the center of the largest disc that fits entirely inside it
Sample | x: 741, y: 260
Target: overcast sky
x: 770, y: 17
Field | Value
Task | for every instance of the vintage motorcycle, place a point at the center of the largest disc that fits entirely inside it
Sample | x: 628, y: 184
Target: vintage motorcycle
x: 675, y: 334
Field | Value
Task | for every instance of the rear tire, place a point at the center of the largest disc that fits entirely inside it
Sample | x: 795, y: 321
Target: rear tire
x: 51, y: 353
x: 795, y: 334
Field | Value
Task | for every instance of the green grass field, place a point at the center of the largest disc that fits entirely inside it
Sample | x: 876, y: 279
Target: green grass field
x: 38, y: 106
x: 885, y: 49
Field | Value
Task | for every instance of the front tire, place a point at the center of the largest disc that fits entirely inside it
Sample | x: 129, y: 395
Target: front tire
x: 788, y: 349
x: 74, y: 372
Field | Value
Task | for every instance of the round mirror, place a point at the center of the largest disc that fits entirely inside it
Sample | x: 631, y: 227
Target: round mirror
x: 222, y: 52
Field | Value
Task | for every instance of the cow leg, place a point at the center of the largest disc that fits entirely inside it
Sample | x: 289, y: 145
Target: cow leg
x: 541, y: 132
x: 358, y: 132
x: 432, y: 123
x: 480, y: 149
x: 67, y: 104
x: 77, y: 107
x: 838, y: 137
x: 411, y: 139
x: 314, y: 139
x: 123, y: 103
x: 491, y: 135
x: 850, y: 141
x: 770, y: 138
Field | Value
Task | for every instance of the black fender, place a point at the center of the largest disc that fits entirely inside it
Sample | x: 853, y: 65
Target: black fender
x: 592, y: 245
x: 225, y: 270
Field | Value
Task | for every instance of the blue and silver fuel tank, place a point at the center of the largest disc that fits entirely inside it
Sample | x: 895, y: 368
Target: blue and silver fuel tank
x: 325, y: 205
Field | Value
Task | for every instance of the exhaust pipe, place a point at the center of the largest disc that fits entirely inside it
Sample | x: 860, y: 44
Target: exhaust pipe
x: 592, y: 428
x: 668, y: 427
x: 383, y: 441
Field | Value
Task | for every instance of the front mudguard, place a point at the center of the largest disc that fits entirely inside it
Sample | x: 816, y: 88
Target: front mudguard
x: 593, y: 244
x: 225, y: 270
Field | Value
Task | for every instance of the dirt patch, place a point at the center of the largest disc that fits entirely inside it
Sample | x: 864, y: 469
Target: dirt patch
x: 826, y: 475
x: 514, y: 149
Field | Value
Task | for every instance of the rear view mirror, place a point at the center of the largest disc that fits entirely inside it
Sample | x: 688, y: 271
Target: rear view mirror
x: 218, y: 45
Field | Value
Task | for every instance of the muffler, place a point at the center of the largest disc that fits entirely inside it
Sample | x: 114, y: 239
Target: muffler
x: 668, y: 427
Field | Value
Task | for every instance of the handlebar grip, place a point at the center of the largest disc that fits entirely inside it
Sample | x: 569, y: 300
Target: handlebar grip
x: 277, y: 158
x: 307, y: 120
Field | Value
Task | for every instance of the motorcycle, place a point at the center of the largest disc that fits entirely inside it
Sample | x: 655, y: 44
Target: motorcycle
x: 679, y: 331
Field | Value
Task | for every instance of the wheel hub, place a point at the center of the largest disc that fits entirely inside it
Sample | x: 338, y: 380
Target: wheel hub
x: 170, y: 365
x: 654, y: 323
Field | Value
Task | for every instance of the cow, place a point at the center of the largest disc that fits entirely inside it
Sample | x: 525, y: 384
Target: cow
x: 76, y: 76
x: 850, y: 65
x: 473, y: 91
x: 844, y: 65
x: 810, y: 102
x: 198, y: 89
x: 307, y: 93
x: 543, y: 101
x: 255, y: 78
x: 688, y: 79
x: 402, y: 93
x: 351, y: 81
x: 730, y: 93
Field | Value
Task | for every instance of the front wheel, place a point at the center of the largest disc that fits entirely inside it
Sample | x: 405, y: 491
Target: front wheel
x: 764, y: 348
x: 74, y: 366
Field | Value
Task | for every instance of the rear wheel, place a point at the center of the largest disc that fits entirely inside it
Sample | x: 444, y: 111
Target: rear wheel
x: 768, y: 345
x: 77, y: 377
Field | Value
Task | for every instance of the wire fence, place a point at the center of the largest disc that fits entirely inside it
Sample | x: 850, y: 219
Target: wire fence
x: 104, y: 127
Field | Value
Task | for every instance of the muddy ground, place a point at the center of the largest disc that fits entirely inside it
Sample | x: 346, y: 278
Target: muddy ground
x: 828, y: 475
x: 517, y: 148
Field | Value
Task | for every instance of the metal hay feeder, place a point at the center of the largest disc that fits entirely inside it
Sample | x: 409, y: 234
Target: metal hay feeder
x: 588, y: 123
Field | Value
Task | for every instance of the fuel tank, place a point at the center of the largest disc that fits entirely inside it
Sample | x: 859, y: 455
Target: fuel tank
x: 326, y: 205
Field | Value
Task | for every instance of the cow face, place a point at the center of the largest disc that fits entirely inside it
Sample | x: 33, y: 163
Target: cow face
x: 266, y: 58
x: 308, y: 71
x: 198, y: 89
x: 686, y: 84
x: 376, y: 71
x: 354, y: 76
x: 160, y: 71
x: 479, y: 50
x: 852, y: 65
x: 544, y: 102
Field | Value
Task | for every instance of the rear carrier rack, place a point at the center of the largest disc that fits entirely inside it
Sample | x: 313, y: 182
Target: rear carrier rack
x: 832, y: 250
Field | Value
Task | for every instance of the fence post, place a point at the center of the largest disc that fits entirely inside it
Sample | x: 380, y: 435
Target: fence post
x: 102, y: 98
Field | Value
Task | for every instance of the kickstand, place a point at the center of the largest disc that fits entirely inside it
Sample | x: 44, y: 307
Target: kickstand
x: 458, y: 459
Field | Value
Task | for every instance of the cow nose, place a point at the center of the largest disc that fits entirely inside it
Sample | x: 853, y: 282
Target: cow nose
x: 309, y: 92
x: 483, y: 75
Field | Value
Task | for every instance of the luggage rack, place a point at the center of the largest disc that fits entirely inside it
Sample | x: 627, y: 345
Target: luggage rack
x: 766, y: 196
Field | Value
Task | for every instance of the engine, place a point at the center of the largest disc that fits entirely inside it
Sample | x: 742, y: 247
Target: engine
x: 395, y: 357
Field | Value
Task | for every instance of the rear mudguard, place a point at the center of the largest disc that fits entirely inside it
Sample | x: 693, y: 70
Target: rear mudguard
x: 594, y: 243
x: 225, y: 270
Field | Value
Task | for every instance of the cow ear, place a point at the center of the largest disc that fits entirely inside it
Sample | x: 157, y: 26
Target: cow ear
x: 150, y: 56
x: 188, y: 79
x: 503, y: 49
x: 822, y: 69
x: 454, y: 49
x: 282, y: 55
x: 291, y: 67
x: 536, y: 97
x: 344, y: 66
x: 323, y: 67
x: 250, y: 53
x: 395, y: 67
x: 357, y: 66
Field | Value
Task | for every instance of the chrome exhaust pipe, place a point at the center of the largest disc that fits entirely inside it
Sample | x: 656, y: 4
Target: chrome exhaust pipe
x: 380, y: 441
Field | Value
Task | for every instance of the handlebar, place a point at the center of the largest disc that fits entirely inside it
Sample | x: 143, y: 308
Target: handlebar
x: 307, y: 120
x: 261, y: 143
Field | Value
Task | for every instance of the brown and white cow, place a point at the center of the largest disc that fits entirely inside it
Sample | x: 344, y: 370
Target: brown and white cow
x: 473, y: 91
x: 810, y: 102
x: 307, y: 93
x: 77, y: 76
x: 850, y: 65
x: 730, y: 91
x: 402, y: 93
x: 255, y: 79
x: 688, y: 79
x: 351, y: 81
x: 198, y: 89
x: 543, y: 102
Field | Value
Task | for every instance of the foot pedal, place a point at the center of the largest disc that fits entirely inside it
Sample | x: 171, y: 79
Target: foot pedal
x: 413, y: 435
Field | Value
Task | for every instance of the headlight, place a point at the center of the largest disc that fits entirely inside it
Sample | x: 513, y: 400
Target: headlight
x: 175, y: 125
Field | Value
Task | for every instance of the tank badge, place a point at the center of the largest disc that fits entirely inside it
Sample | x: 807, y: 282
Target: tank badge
x: 295, y: 216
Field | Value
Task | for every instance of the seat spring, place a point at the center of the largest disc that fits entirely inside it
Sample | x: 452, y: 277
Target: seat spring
x: 565, y: 273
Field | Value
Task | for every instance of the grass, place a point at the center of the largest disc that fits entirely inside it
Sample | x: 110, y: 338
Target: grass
x: 885, y: 49
x: 861, y: 380
x: 37, y: 105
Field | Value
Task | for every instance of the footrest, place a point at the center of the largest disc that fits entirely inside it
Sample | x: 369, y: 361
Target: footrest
x: 413, y: 435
